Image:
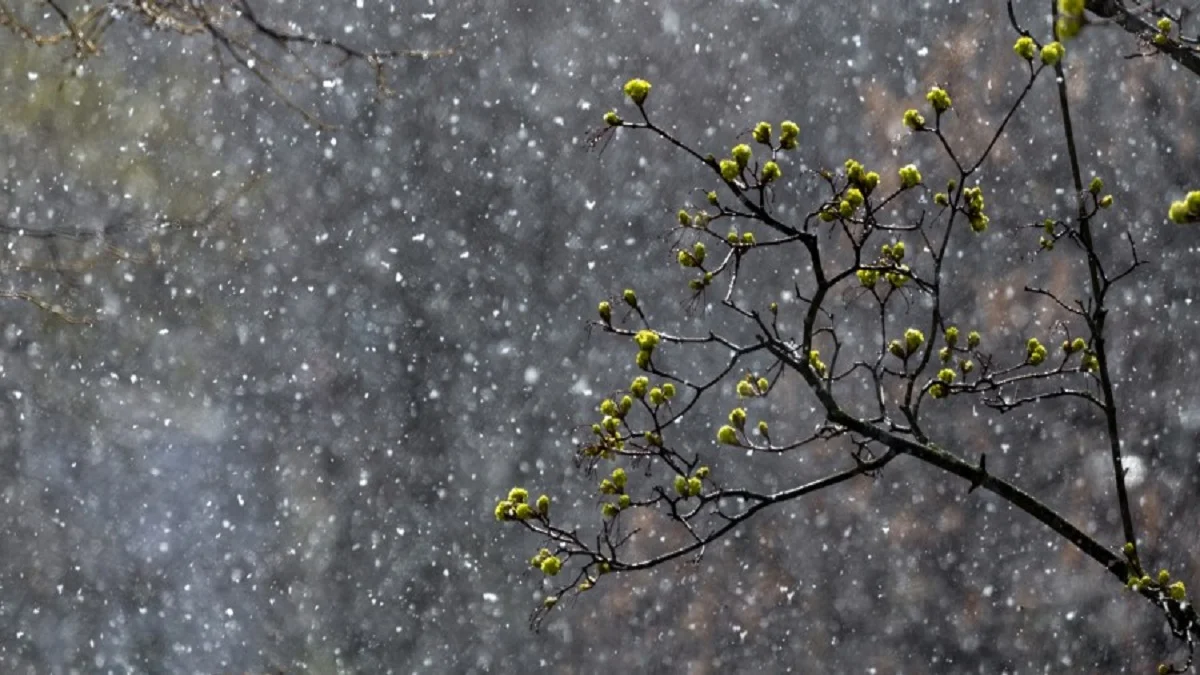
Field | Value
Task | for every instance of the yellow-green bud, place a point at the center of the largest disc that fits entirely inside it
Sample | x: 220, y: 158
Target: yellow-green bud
x: 605, y: 311
x: 612, y: 119
x: 630, y: 297
x: 681, y: 486
x: 1106, y: 201
x: 1187, y: 210
x: 944, y: 354
x: 814, y: 361
x: 1071, y: 7
x: 870, y: 181
x: 737, y: 417
x: 762, y: 133
x: 909, y: 177
x: 504, y: 510
x: 846, y: 209
x: 1037, y: 356
x: 939, y: 99
x: 639, y: 386
x: 1163, y: 577
x: 623, y: 501
x: 543, y: 505
x: 855, y: 197
x: 625, y: 405
x: 952, y: 335
x: 868, y: 278
x: 1024, y: 48
x: 771, y: 172
x: 524, y: 512
x: 551, y: 566
x: 763, y: 428
x: 729, y: 169
x: 763, y: 384
x: 1178, y: 213
x: 966, y: 366
x: 946, y: 375
x: 941, y: 199
x: 727, y: 435
x: 748, y: 238
x: 702, y: 472
x: 1096, y: 185
x: 646, y: 339
x: 1053, y: 53
x: 741, y: 154
x: 789, y: 132
x: 637, y: 90
x: 745, y: 389
x: 913, y: 339
x: 1177, y: 591
x: 1068, y: 26
x: 609, y: 510
x: 712, y: 198
x: 914, y: 120
x: 979, y: 222
x: 899, y: 277
x: 1089, y: 363
x: 608, y: 407
x: 896, y: 349
x: 668, y: 390
x: 685, y: 219
x: 643, y: 359
x: 694, y: 487
x: 973, y: 339
x: 855, y: 171
x: 518, y: 495
x: 686, y: 259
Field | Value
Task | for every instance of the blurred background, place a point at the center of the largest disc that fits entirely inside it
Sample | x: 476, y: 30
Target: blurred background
x: 262, y: 380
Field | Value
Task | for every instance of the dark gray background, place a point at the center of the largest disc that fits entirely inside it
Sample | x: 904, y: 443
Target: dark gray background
x: 279, y: 446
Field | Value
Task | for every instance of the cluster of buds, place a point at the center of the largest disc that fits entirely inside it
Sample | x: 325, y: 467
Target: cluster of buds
x: 614, y: 486
x: 910, y: 177
x: 890, y: 256
x: 516, y: 506
x: 902, y: 349
x: 690, y: 486
x: 1035, y: 352
x: 751, y: 386
x: 1186, y: 210
x: 1071, y: 19
x: 1163, y: 36
x: 547, y: 562
x: 946, y: 356
x: 974, y: 209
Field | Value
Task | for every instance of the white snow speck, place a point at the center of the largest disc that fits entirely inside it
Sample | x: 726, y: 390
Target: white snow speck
x: 532, y: 375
